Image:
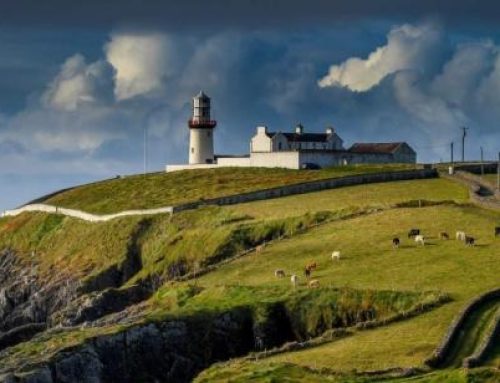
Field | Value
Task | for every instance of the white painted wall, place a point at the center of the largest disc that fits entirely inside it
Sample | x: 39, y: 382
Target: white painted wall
x: 83, y: 215
x: 174, y: 168
x: 261, y: 142
x: 234, y: 161
x: 201, y: 146
x: 288, y: 160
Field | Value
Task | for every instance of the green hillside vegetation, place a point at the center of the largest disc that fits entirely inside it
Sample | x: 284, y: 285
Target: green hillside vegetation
x: 372, y: 281
x: 193, y: 239
x: 370, y: 262
x: 165, y: 189
x: 380, y: 195
x: 288, y: 372
x: 310, y: 312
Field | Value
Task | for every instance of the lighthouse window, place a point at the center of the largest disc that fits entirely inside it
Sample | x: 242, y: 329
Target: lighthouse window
x: 208, y: 134
x: 192, y: 150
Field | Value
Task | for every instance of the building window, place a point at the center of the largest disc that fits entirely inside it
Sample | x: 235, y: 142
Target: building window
x: 192, y: 150
x: 279, y: 145
x: 208, y: 134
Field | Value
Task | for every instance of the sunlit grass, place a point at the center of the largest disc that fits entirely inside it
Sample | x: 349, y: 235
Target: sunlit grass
x: 164, y: 189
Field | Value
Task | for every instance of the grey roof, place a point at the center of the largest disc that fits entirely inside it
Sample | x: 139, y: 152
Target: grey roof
x: 201, y: 94
x: 304, y: 137
x: 376, y: 147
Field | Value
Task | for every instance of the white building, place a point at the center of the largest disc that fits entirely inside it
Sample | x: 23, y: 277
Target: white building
x: 294, y: 150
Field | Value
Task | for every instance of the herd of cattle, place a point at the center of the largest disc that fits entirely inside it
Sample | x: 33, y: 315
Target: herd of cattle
x: 419, y: 238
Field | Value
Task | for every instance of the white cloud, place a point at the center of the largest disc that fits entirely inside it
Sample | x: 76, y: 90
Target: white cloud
x: 142, y: 62
x: 78, y: 83
x: 408, y: 47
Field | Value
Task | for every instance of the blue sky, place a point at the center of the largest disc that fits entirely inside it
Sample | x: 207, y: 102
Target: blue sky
x: 78, y: 85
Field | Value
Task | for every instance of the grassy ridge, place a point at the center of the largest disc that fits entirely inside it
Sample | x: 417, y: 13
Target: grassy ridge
x: 164, y: 189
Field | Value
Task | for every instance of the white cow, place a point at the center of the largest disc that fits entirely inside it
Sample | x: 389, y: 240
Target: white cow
x: 295, y: 280
x: 336, y: 255
x: 460, y: 235
x: 420, y: 239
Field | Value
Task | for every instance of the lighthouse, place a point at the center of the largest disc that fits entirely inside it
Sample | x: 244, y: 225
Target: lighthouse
x: 201, y: 127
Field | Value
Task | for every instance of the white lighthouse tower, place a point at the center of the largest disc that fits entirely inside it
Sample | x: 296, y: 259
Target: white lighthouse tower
x: 201, y: 140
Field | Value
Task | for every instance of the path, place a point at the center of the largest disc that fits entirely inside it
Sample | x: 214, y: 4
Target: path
x: 481, y: 192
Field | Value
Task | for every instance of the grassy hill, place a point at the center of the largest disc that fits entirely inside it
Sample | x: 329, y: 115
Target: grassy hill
x: 165, y: 189
x: 372, y: 281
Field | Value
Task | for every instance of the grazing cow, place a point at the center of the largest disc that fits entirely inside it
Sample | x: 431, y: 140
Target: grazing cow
x: 413, y: 233
x: 311, y: 266
x: 295, y: 280
x: 497, y: 231
x: 313, y: 283
x: 444, y: 235
x: 307, y: 272
x: 336, y: 256
x: 460, y: 235
x: 395, y: 242
x: 279, y: 273
x: 420, y: 239
x: 469, y: 241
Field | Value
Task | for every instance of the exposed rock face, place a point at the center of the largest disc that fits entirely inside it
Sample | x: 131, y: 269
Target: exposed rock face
x: 154, y: 352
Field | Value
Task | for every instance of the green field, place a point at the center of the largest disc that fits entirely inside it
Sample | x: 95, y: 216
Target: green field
x: 359, y: 221
x: 165, y: 189
x: 380, y: 195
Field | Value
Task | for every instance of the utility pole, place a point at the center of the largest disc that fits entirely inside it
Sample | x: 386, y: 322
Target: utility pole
x: 498, y: 172
x: 451, y: 153
x: 482, y: 163
x: 464, y: 134
x: 145, y: 150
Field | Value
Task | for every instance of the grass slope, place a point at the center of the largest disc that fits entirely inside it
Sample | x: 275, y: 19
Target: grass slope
x: 164, y: 189
x: 370, y: 262
x: 372, y: 195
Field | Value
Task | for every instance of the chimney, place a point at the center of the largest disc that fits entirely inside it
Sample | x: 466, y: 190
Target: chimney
x: 299, y: 129
x: 261, y: 129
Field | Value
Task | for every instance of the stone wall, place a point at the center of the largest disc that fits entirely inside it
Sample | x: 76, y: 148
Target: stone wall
x: 313, y: 186
x: 488, y: 342
x: 457, y: 326
x: 83, y: 215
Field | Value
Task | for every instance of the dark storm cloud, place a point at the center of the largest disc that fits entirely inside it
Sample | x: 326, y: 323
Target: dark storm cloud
x: 241, y: 13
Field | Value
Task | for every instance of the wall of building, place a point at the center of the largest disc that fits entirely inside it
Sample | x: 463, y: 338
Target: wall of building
x: 234, y: 161
x: 405, y: 154
x: 279, y: 143
x: 261, y: 142
x: 323, y: 159
x: 370, y: 158
x: 174, y: 168
x: 288, y: 160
